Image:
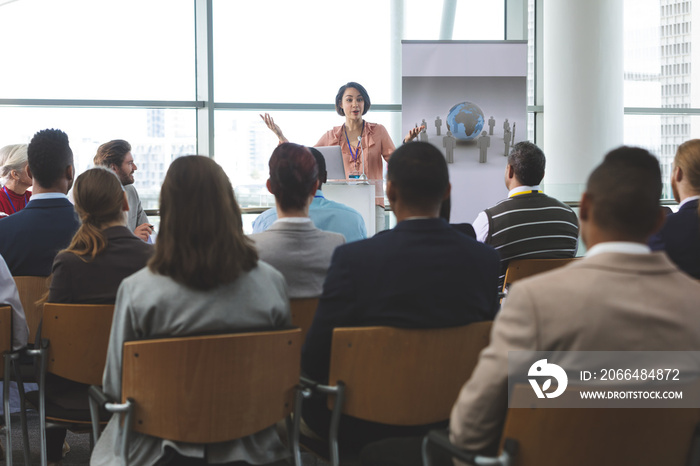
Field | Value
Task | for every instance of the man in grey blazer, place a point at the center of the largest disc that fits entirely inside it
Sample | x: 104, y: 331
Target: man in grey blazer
x: 292, y: 244
x: 620, y: 297
x: 116, y: 155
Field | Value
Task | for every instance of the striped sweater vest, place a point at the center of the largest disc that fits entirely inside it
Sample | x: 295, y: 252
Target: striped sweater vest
x: 531, y: 226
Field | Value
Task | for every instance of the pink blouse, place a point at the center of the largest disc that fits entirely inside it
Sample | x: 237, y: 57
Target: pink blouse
x: 376, y: 144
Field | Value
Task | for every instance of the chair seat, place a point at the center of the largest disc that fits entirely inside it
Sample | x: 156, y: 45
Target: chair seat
x: 57, y: 413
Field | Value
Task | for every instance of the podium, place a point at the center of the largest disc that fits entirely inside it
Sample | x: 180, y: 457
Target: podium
x: 358, y: 196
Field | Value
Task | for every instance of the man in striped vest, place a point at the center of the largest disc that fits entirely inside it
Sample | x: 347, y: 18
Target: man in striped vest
x: 528, y: 224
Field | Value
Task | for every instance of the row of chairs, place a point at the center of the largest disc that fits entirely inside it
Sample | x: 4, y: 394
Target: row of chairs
x: 66, y: 328
x: 159, y: 390
x: 168, y: 380
x: 400, y: 368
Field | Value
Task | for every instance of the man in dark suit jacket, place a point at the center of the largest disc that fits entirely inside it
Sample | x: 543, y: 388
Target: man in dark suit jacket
x: 421, y: 274
x: 680, y: 235
x: 30, y: 239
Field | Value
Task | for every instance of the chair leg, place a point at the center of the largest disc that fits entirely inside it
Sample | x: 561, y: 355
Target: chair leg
x: 6, y: 407
x: 22, y: 413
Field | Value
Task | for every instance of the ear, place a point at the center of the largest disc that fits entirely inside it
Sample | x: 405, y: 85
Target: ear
x: 29, y: 172
x: 677, y: 174
x: 584, y: 210
x: 70, y: 172
x: 390, y: 191
x: 316, y: 185
x: 510, y: 173
x: 125, y: 203
x: 447, y: 192
x: 268, y: 184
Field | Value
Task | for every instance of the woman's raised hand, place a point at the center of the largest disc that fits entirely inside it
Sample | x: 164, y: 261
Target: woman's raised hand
x: 273, y: 127
x: 412, y: 134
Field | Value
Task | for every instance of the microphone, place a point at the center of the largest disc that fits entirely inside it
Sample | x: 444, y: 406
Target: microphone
x: 362, y: 177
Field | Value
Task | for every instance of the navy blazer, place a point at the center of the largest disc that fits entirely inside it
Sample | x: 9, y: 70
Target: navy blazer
x: 31, y: 238
x: 421, y: 274
x: 680, y: 238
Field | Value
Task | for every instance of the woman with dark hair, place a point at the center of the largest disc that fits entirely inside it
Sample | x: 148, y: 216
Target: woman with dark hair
x: 89, y: 271
x: 205, y: 277
x: 363, y: 144
x: 293, y: 245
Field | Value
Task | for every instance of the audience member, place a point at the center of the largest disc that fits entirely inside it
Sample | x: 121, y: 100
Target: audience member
x: 30, y: 239
x: 103, y: 252
x: 620, y: 297
x: 327, y: 215
x: 15, y: 179
x: 293, y: 245
x: 10, y: 297
x: 680, y: 235
x: 528, y: 224
x: 116, y: 155
x: 421, y: 274
x: 205, y: 277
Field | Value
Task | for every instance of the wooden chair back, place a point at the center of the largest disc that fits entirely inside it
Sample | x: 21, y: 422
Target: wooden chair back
x: 600, y: 436
x: 303, y: 311
x: 404, y: 376
x: 5, y: 333
x: 211, y: 388
x: 78, y: 336
x: 31, y: 290
x: 523, y: 268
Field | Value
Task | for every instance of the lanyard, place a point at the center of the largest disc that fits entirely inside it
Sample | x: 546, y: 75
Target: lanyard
x: 355, y: 154
x: 14, y: 210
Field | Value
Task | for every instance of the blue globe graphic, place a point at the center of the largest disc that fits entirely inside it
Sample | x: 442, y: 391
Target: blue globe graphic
x: 465, y: 120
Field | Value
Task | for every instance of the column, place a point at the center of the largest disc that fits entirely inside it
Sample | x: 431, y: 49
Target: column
x: 583, y: 93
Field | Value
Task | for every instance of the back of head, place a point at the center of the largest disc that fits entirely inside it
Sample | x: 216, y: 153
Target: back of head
x: 112, y: 152
x: 12, y: 157
x: 99, y: 201
x: 201, y: 242
x: 49, y: 155
x: 688, y: 159
x: 293, y: 175
x: 321, y: 164
x: 624, y: 191
x: 528, y: 163
x: 418, y: 172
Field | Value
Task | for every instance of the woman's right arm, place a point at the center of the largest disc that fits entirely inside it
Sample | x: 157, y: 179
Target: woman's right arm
x: 274, y: 127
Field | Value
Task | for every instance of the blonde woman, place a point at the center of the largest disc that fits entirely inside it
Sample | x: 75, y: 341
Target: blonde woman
x: 15, y: 178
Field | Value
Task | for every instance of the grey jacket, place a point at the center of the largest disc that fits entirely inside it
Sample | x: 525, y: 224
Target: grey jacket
x: 301, y: 252
x: 135, y: 216
x: 150, y: 305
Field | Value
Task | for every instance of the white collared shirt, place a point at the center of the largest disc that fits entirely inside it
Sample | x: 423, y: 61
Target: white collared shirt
x: 47, y: 196
x: 688, y: 199
x: 292, y: 220
x: 625, y: 247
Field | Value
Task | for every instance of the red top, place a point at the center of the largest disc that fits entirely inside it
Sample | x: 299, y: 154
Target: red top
x: 11, y: 202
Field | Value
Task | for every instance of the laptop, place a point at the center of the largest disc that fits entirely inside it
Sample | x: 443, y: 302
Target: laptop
x: 334, y: 161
